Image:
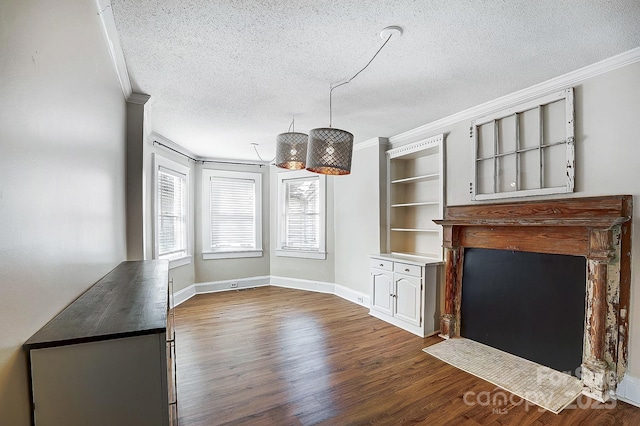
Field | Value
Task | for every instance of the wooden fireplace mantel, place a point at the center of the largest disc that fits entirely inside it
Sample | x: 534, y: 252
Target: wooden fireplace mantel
x: 598, y: 228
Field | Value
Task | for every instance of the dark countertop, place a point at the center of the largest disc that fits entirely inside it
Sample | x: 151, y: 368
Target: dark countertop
x: 131, y: 300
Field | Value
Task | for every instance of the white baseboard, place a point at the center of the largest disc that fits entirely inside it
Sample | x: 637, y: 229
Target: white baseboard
x: 346, y: 293
x: 352, y: 296
x: 187, y: 293
x: 226, y: 285
x: 628, y: 390
x: 300, y: 284
x: 183, y: 295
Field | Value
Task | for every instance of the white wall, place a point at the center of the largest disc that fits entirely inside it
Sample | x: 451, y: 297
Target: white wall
x: 62, y: 150
x: 226, y: 269
x: 608, y: 161
x: 292, y: 267
x: 359, y: 221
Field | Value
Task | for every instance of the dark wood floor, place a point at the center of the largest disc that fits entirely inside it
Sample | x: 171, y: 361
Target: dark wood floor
x: 274, y: 356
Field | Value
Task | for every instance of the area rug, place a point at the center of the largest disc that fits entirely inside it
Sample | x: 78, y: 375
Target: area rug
x: 531, y: 382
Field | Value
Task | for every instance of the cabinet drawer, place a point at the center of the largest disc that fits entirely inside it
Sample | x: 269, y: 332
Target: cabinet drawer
x: 386, y: 265
x: 405, y: 268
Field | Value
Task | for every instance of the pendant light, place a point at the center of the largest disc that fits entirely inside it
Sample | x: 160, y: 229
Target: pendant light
x: 330, y: 150
x: 325, y: 150
x: 291, y: 149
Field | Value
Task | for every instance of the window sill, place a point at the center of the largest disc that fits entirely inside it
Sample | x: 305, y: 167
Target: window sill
x: 232, y: 254
x: 181, y: 261
x: 302, y: 254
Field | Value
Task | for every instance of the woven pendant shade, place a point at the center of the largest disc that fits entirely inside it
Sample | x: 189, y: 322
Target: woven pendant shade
x: 291, y: 150
x: 329, y: 151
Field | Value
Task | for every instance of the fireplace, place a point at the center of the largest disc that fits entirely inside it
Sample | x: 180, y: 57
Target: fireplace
x: 527, y: 304
x: 597, y: 228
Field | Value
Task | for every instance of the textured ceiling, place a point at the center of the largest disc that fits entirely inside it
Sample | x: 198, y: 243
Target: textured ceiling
x: 227, y: 73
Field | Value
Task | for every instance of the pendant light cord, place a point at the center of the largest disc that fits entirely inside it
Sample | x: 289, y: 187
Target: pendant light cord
x: 349, y: 81
x: 255, y: 148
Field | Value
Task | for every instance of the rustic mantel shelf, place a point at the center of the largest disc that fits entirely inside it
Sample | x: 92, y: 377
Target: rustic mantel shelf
x: 598, y: 228
x: 605, y: 223
x: 591, y: 211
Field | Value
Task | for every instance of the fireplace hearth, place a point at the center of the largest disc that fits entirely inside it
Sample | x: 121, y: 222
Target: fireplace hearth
x: 597, y: 228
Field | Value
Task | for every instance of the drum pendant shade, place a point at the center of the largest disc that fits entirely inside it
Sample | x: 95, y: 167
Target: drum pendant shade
x: 291, y: 150
x: 329, y: 151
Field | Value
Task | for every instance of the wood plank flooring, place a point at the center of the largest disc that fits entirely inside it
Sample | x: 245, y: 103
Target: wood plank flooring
x: 275, y: 356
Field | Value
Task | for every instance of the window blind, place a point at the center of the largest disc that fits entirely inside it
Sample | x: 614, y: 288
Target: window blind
x: 172, y: 213
x: 233, y: 210
x: 302, y: 214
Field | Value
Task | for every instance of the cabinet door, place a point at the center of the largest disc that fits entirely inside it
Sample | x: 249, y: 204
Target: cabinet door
x: 408, y: 300
x: 382, y: 291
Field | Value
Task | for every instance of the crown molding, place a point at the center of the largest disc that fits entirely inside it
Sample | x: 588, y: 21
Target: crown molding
x: 138, y: 98
x: 371, y: 142
x: 557, y: 83
x: 113, y: 43
x: 416, y: 146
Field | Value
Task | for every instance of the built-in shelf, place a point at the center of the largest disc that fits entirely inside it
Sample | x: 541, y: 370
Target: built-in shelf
x: 426, y: 203
x: 432, y: 176
x: 415, y: 197
x: 405, y: 279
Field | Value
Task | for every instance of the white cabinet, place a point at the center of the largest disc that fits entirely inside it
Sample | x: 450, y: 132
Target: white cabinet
x: 382, y: 291
x: 404, y: 292
x: 407, y: 300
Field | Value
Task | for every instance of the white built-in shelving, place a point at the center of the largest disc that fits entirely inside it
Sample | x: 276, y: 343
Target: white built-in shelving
x: 415, y: 197
x: 405, y: 279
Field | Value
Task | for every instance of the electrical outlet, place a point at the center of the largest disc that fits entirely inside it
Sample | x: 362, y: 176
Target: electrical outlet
x: 234, y: 285
x: 360, y: 300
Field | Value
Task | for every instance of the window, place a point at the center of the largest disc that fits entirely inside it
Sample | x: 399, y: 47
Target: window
x: 301, y: 215
x: 527, y: 150
x: 171, y: 231
x: 232, y: 214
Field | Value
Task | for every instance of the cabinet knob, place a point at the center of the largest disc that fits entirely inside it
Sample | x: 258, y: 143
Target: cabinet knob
x: 406, y: 270
x: 382, y: 264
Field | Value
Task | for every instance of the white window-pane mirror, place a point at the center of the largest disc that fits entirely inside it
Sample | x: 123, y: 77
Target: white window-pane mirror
x: 525, y: 150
